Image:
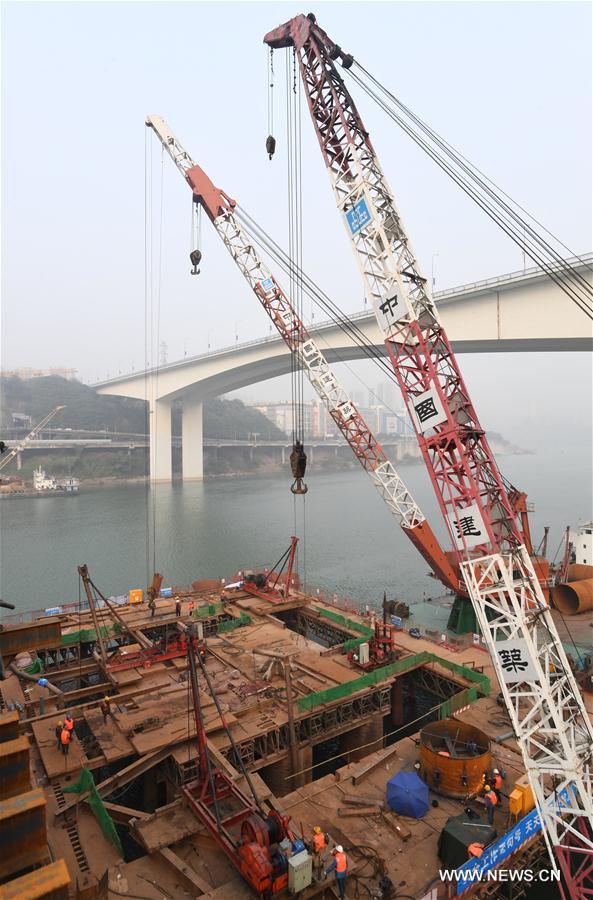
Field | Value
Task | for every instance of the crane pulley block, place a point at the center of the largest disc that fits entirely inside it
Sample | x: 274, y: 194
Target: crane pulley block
x: 298, y: 465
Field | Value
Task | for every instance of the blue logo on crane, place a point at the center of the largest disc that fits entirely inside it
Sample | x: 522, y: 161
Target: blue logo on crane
x: 267, y: 285
x: 358, y: 216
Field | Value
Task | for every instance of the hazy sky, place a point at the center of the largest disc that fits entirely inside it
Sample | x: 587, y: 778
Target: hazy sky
x: 509, y: 84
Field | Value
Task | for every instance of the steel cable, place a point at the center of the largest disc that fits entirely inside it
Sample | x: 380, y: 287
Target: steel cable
x: 480, y: 177
x: 498, y: 215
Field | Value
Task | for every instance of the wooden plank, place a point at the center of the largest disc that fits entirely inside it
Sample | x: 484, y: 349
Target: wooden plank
x: 362, y: 801
x: 123, y: 814
x: 187, y: 873
x: 54, y: 761
x: 403, y: 833
x: 376, y: 760
x: 349, y: 811
x: 162, y: 829
x: 113, y: 743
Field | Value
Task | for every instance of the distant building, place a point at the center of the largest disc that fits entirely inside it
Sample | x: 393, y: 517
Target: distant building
x: 70, y: 374
x: 20, y: 420
x: 317, y: 423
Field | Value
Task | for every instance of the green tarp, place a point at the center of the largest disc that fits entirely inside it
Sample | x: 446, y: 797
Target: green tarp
x: 36, y: 667
x: 400, y: 665
x: 346, y: 623
x: 87, y: 783
x: 459, y: 832
x: 231, y: 624
x: 212, y: 609
x: 86, y: 635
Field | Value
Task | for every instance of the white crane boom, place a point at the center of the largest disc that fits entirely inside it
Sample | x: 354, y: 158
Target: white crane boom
x: 29, y: 437
x: 220, y: 209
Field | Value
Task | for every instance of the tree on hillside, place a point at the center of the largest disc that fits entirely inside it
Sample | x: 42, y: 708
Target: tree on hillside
x: 86, y: 409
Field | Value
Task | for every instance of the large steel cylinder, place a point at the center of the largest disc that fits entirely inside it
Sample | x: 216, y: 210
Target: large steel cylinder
x: 576, y: 594
x: 454, y: 757
x: 574, y: 598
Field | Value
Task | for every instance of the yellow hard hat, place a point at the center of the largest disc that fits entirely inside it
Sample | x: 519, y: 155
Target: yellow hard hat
x: 317, y: 829
x: 60, y: 723
x: 486, y: 787
x: 105, y: 698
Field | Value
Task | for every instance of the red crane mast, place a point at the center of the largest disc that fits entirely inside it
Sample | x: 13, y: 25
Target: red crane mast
x: 549, y: 719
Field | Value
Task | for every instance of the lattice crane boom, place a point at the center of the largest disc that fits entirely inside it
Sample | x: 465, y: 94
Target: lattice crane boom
x: 220, y: 209
x: 551, y: 724
x: 29, y: 437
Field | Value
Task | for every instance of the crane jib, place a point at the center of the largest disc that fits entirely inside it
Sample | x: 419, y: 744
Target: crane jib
x: 367, y: 449
x: 547, y: 712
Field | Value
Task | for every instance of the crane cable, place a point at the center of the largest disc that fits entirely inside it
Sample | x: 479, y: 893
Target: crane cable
x: 552, y: 268
x: 147, y: 287
x: 316, y: 294
x: 481, y: 178
x: 294, y: 260
x: 153, y: 269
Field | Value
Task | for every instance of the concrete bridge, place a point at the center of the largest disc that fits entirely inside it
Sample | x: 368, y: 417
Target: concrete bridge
x: 522, y: 311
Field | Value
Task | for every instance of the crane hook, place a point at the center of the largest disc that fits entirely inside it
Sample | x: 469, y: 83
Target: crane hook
x: 195, y: 258
x: 270, y: 145
x: 298, y: 465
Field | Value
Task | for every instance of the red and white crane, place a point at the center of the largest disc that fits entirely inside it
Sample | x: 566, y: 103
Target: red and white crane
x: 220, y: 209
x: 550, y: 721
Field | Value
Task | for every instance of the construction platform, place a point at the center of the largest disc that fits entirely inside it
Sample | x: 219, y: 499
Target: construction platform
x: 320, y: 735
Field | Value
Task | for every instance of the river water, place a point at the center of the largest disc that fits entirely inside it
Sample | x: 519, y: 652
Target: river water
x: 350, y: 544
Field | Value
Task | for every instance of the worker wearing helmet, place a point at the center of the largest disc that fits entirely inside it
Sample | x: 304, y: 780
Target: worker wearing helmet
x: 490, y: 801
x: 105, y: 707
x: 58, y: 732
x: 318, y: 845
x: 340, y: 866
x: 69, y: 725
x: 497, y: 784
x: 65, y: 739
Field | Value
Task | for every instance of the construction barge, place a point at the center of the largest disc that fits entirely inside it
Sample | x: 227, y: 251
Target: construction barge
x: 313, y: 709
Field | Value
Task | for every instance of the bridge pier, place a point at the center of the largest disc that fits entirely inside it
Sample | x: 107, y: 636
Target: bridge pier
x: 161, y: 463
x: 192, y: 451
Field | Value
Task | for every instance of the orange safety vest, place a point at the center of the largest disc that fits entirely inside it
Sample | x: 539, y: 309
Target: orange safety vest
x: 318, y: 842
x: 475, y: 850
x: 492, y: 797
x: 68, y: 726
x: 65, y: 736
x: 341, y: 863
x: 497, y: 782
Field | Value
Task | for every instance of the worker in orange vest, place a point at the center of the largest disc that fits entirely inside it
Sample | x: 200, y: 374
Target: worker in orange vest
x: 69, y: 725
x: 105, y: 707
x: 190, y: 607
x: 319, y: 846
x: 65, y: 739
x: 497, y: 784
x: 340, y: 866
x: 475, y: 850
x: 490, y: 801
